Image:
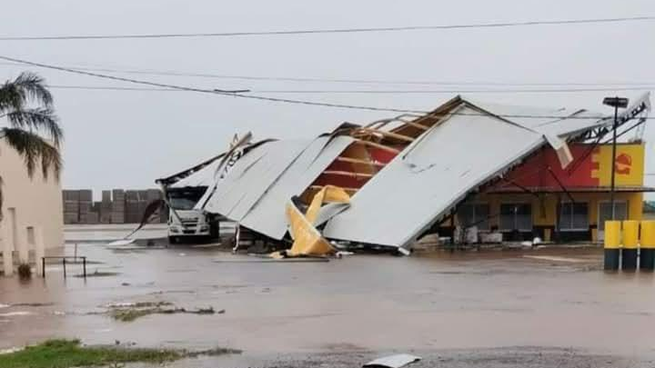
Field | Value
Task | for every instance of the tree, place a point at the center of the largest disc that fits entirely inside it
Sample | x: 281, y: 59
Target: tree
x: 32, y: 127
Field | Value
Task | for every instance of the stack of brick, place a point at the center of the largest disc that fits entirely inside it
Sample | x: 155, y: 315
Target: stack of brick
x: 86, y: 202
x: 71, y: 200
x: 118, y: 206
x: 132, y: 206
x: 105, y: 207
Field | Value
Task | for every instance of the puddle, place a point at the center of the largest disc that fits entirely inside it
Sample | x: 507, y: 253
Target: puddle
x: 17, y: 313
x: 35, y: 305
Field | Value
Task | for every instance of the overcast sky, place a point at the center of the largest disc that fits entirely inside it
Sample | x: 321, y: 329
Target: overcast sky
x: 127, y: 139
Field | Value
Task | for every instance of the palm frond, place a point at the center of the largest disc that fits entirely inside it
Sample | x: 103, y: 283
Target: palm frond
x: 34, y: 150
x: 39, y: 119
x: 10, y: 98
x: 27, y: 87
x: 34, y: 88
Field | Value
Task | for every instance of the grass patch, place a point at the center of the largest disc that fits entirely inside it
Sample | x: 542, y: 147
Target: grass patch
x: 61, y: 353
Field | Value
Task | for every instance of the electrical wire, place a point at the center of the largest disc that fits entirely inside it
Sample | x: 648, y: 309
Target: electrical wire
x: 341, y: 80
x: 450, y: 91
x: 236, y: 94
x: 333, y: 30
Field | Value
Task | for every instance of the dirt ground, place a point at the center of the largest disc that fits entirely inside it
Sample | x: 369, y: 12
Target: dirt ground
x: 512, y: 308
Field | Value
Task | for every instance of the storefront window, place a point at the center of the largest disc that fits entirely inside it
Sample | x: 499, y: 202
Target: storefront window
x: 474, y: 214
x: 516, y: 216
x: 573, y: 216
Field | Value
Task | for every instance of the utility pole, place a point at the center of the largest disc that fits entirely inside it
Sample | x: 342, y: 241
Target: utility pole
x: 616, y: 102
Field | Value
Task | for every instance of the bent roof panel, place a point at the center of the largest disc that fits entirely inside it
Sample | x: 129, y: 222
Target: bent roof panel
x: 251, y: 176
x: 268, y: 215
x: 551, y: 121
x: 202, y: 178
x: 431, y: 175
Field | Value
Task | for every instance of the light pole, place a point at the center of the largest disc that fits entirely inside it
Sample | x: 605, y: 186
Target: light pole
x: 615, y: 102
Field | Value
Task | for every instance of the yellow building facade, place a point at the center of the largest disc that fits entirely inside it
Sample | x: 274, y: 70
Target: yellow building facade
x: 539, y: 198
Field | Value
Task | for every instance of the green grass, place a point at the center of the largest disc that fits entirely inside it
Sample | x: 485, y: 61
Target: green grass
x: 61, y: 353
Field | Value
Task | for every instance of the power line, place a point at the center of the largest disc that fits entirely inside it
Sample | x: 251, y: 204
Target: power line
x: 273, y: 99
x: 209, y: 91
x: 342, y: 80
x: 332, y: 30
x: 370, y: 91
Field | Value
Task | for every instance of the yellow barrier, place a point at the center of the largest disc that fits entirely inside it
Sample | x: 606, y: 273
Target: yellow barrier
x: 648, y: 234
x: 612, y: 245
x: 647, y: 251
x: 630, y: 234
x: 612, y: 234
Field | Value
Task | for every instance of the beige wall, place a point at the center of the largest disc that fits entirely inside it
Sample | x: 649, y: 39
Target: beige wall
x: 37, y: 202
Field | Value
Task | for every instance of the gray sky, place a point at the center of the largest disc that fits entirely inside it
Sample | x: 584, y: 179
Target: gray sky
x: 128, y: 139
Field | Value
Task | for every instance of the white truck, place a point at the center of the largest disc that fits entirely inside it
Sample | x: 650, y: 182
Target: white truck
x: 182, y: 191
x: 185, y: 222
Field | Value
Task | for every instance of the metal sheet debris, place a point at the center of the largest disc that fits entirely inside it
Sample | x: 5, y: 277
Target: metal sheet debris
x: 427, y: 178
x: 251, y: 177
x: 260, y: 183
x: 267, y: 216
x: 393, y: 361
x: 307, y: 241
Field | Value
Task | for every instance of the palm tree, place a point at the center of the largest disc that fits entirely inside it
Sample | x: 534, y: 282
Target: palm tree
x: 32, y: 129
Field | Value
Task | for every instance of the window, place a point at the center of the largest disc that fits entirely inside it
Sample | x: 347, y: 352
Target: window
x: 516, y: 216
x: 605, y: 212
x: 573, y: 216
x: 474, y: 214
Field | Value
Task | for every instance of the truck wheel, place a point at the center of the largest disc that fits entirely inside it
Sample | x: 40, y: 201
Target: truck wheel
x: 173, y: 239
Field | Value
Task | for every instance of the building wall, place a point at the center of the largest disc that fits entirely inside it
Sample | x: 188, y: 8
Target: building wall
x: 37, y: 202
x: 588, y: 183
x: 544, y: 210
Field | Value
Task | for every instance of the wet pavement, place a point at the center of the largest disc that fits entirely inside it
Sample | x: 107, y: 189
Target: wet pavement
x: 348, y: 310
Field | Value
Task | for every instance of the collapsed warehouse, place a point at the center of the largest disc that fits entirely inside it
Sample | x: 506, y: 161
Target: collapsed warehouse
x: 516, y: 172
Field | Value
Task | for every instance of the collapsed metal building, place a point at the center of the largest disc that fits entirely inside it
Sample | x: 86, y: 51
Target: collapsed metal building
x: 408, y: 176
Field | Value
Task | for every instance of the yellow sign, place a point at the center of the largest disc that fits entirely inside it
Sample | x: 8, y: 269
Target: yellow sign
x: 629, y: 165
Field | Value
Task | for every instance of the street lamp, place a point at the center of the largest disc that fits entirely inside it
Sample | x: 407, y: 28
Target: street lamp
x: 615, y: 102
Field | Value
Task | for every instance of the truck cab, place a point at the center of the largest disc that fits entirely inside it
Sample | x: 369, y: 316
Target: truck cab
x: 185, y: 222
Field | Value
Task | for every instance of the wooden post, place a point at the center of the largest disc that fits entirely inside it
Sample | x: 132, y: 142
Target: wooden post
x: 63, y: 262
x: 43, y: 266
x: 84, y: 266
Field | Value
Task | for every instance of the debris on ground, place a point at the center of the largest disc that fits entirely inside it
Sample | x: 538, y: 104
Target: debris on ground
x: 128, y: 312
x: 392, y: 361
x: 98, y: 273
x: 308, y: 241
x: 121, y: 243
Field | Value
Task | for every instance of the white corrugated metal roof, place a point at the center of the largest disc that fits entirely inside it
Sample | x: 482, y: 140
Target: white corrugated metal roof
x: 203, y: 178
x: 430, y: 176
x: 552, y: 121
x: 251, y: 176
x: 268, y: 216
x: 257, y: 188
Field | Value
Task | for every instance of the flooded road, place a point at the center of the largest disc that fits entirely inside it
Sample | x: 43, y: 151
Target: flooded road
x: 363, y: 303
